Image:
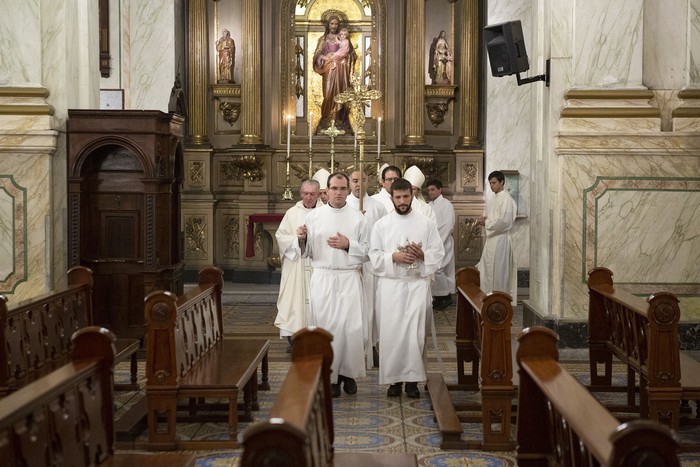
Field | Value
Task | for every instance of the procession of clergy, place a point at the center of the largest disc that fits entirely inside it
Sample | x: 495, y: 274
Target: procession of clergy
x: 371, y: 271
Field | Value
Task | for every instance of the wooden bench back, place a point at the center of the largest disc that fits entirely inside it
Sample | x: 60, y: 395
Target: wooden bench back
x: 642, y: 333
x: 182, y: 330
x: 36, y: 333
x: 559, y: 420
x: 64, y: 418
x: 485, y: 321
x: 299, y: 431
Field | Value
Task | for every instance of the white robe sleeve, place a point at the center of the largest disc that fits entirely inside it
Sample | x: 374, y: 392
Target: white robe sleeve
x: 433, y: 252
x: 502, y: 215
x: 380, y: 260
x: 358, y: 250
x: 286, y: 236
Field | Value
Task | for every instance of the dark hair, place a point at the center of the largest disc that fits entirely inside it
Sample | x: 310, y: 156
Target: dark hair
x: 435, y: 182
x: 392, y: 168
x: 498, y: 175
x: 401, y: 185
x: 337, y: 175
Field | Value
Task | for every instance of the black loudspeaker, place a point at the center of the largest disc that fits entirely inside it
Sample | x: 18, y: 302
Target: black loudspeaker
x: 506, y: 48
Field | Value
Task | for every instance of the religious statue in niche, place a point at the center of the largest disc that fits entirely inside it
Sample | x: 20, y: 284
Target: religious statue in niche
x: 226, y: 50
x: 334, y: 60
x: 440, y: 60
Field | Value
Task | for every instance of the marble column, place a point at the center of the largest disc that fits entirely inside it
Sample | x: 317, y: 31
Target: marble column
x: 469, y: 75
x: 197, y: 73
x: 414, y: 105
x: 251, y: 95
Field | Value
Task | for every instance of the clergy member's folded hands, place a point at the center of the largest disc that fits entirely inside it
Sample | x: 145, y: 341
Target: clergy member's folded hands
x: 301, y: 231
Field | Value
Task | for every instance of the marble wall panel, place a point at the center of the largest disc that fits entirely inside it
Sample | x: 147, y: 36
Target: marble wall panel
x: 608, y: 43
x: 508, y: 120
x: 641, y: 188
x: 149, y: 71
x: 665, y: 43
x: 20, y: 30
x: 24, y: 210
x: 693, y: 65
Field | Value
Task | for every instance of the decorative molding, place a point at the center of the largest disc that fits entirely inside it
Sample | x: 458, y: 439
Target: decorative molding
x: 232, y: 242
x: 609, y: 94
x: 26, y: 109
x: 440, y: 90
x: 150, y: 229
x: 230, y: 111
x: 247, y: 167
x: 437, y: 111
x: 195, y: 174
x: 226, y: 90
x: 431, y: 167
x: 19, y: 91
x: 470, y: 234
x: 195, y: 236
x: 642, y: 186
x: 17, y: 203
x: 610, y: 112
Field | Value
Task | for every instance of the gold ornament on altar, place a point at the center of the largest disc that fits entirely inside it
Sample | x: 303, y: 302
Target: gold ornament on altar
x: 356, y: 97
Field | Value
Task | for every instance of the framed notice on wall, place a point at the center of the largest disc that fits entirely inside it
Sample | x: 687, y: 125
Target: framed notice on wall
x: 512, y: 186
x: 111, y: 99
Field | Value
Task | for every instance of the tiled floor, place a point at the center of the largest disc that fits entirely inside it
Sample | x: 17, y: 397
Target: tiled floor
x: 366, y: 421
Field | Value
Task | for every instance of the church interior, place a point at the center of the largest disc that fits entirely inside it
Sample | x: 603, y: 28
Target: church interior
x: 148, y: 140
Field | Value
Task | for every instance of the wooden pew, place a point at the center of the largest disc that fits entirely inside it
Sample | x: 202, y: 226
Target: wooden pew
x: 299, y: 431
x: 484, y: 341
x: 187, y: 357
x: 35, y: 340
x: 36, y: 333
x: 560, y: 422
x: 643, y: 334
x: 65, y: 417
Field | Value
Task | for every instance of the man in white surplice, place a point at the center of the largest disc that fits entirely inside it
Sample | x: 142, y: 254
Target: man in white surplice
x: 293, y: 299
x: 389, y: 173
x: 336, y: 239
x: 444, y: 285
x: 405, y: 250
x: 373, y: 211
x: 497, y: 268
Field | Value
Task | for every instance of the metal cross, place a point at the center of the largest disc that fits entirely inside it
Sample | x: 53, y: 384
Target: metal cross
x: 357, y: 97
x: 333, y: 131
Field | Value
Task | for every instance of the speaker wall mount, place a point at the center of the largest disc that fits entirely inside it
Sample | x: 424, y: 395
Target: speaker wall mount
x: 505, y: 46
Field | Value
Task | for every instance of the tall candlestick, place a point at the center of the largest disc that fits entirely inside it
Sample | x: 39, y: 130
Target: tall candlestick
x: 354, y: 144
x: 379, y: 136
x: 287, y: 195
x: 289, y: 133
x: 311, y: 122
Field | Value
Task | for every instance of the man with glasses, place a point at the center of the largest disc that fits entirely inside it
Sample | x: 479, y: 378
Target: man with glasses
x: 335, y: 237
x: 390, y: 173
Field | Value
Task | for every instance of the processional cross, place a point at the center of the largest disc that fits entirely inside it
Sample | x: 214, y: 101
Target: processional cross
x: 333, y: 131
x: 357, y: 97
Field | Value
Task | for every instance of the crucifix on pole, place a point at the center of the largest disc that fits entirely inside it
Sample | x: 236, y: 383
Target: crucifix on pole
x: 357, y: 98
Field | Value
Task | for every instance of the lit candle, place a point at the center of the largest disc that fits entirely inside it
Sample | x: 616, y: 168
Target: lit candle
x: 289, y: 132
x: 354, y: 144
x: 379, y: 135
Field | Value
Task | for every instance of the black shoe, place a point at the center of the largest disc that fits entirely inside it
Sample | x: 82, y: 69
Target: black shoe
x: 412, y: 390
x: 335, y: 390
x: 394, y: 390
x: 375, y: 357
x: 349, y: 385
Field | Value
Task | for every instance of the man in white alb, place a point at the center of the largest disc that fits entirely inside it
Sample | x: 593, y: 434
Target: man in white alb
x: 497, y: 268
x: 373, y: 211
x: 293, y: 299
x: 444, y: 285
x: 389, y: 173
x: 405, y: 249
x: 335, y: 237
